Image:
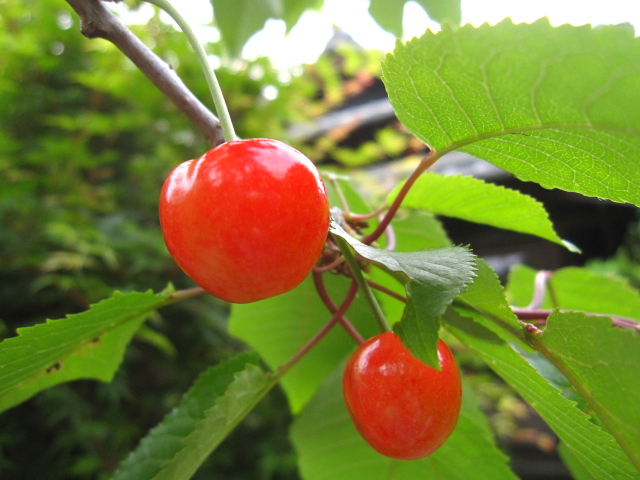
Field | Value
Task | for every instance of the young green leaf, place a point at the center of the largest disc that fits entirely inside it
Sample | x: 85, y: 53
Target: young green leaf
x: 594, y: 448
x: 600, y: 361
x: 329, y: 446
x: 277, y: 327
x: 432, y: 279
x: 218, y: 400
x: 474, y: 200
x: 85, y: 345
x: 557, y: 106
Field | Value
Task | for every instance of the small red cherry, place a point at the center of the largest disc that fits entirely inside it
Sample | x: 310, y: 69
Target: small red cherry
x: 402, y: 407
x: 247, y: 220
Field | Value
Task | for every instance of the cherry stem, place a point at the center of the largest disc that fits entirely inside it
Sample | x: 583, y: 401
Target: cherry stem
x: 329, y: 266
x: 181, y: 295
x: 424, y: 164
x: 379, y: 317
x: 338, y: 314
x: 391, y: 293
x: 540, y: 285
x: 540, y: 317
x: 318, y: 281
x: 210, y: 76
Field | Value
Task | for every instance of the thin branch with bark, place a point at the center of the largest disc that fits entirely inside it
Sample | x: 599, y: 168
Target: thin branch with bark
x: 96, y: 21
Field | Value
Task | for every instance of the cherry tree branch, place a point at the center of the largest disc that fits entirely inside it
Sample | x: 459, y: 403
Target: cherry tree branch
x: 539, y: 317
x: 96, y: 21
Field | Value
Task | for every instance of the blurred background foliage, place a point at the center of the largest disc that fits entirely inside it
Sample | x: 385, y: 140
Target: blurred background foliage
x: 85, y: 144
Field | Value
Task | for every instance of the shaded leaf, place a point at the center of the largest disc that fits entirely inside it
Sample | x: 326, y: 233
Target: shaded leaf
x: 557, y: 106
x: 329, y: 446
x: 602, y: 363
x: 213, y: 406
x: 85, y: 345
x: 474, y: 200
x: 595, y: 449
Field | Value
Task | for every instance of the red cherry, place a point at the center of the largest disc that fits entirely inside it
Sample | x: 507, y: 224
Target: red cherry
x: 402, y: 407
x: 247, y: 220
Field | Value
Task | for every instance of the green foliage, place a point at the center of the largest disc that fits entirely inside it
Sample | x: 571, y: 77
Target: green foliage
x: 86, y: 144
x: 432, y: 278
x: 330, y: 447
x: 550, y: 105
x: 212, y: 407
x: 574, y: 288
x: 598, y: 359
x: 277, y: 327
x: 389, y: 13
x: 86, y: 345
x: 468, y: 198
x: 595, y: 449
x: 239, y: 20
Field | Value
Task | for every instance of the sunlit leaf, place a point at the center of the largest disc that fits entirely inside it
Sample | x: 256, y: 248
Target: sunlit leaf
x: 557, y: 106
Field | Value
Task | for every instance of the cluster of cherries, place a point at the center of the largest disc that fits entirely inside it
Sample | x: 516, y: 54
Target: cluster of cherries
x: 247, y: 221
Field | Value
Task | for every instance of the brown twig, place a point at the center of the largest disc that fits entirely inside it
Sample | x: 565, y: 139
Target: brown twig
x: 98, y: 22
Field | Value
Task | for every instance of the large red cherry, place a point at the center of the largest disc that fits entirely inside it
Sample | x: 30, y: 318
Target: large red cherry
x: 403, y: 408
x: 247, y: 220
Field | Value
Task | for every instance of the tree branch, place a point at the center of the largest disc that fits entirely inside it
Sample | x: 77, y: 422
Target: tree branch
x: 96, y: 21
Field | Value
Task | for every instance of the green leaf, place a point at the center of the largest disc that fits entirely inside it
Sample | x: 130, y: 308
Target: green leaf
x: 418, y: 230
x: 293, y: 10
x: 213, y: 406
x: 432, y: 279
x: 277, y: 327
x: 578, y: 289
x: 388, y: 14
x: 329, y: 446
x: 594, y: 448
x: 578, y: 472
x: 601, y: 362
x: 472, y: 199
x: 85, y: 345
x: 238, y: 20
x: 557, y: 106
x: 442, y: 10
x: 485, y: 302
